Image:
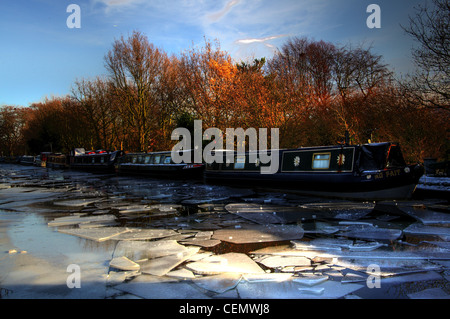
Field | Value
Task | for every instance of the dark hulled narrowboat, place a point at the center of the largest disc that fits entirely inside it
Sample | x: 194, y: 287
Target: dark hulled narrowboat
x: 157, y: 164
x: 99, y: 160
x: 26, y: 160
x: 57, y: 161
x: 368, y: 172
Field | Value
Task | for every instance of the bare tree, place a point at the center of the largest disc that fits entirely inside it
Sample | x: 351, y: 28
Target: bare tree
x: 96, y: 100
x: 135, y: 68
x: 430, y: 28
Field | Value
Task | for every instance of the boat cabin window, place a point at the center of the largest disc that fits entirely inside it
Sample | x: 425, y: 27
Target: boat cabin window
x: 240, y: 162
x: 147, y: 159
x: 134, y: 159
x: 167, y: 160
x: 156, y: 159
x: 321, y: 160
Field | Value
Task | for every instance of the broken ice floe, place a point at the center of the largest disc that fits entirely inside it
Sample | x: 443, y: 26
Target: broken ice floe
x: 419, y: 229
x: 123, y: 263
x: 78, y: 219
x: 259, y: 234
x: 76, y: 202
x: 230, y: 262
x: 96, y: 234
x: 162, y: 265
x: 289, y: 289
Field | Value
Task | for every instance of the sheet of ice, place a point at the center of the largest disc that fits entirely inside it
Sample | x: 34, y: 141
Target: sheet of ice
x: 267, y: 277
x: 230, y: 262
x: 148, y: 288
x: 424, y: 230
x: 431, y: 293
x: 267, y: 214
x: 77, y: 202
x: 218, y: 283
x: 428, y: 217
x: 310, y: 280
x: 181, y: 274
x: 123, y: 263
x: 341, y: 209
x: 259, y: 234
x: 80, y: 219
x: 162, y: 265
x: 207, y: 243
x: 97, y: 234
x: 142, y: 250
x: 292, y: 290
x: 145, y: 234
x: 285, y: 261
x: 369, y: 232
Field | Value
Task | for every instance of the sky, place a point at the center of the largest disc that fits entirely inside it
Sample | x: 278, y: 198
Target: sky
x: 41, y: 56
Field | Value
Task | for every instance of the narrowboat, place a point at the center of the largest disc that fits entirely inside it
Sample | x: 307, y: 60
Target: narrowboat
x: 363, y: 172
x: 26, y: 160
x: 99, y: 160
x: 158, y: 164
x: 41, y: 159
x: 57, y: 160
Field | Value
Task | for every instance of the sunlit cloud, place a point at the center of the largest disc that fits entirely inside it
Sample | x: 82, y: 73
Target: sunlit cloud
x: 248, y: 41
x: 216, y: 16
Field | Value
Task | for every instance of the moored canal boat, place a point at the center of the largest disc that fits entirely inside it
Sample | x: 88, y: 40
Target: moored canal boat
x: 365, y: 172
x: 99, y: 160
x: 157, y: 164
x: 26, y: 160
x: 57, y: 160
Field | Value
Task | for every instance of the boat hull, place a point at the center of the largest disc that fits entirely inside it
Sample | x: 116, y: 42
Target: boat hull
x: 367, y: 172
x: 158, y: 165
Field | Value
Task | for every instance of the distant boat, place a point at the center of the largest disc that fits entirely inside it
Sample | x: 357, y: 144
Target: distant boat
x: 57, y: 160
x: 369, y: 172
x: 26, y: 160
x: 157, y: 164
x: 100, y: 160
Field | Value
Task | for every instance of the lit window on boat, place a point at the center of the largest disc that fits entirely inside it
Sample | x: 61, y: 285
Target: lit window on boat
x: 134, y: 160
x: 167, y: 160
x: 321, y: 161
x: 147, y: 159
x: 157, y: 158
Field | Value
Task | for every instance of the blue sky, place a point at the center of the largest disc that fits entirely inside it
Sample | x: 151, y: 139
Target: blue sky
x: 41, y: 57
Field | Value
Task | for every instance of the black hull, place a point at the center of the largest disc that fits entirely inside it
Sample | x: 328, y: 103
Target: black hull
x: 164, y: 171
x: 368, y: 172
x: 344, y: 185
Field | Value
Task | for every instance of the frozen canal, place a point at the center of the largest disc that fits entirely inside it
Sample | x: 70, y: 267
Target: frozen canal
x: 72, y: 234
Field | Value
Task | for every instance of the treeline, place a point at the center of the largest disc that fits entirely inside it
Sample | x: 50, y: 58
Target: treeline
x: 313, y: 91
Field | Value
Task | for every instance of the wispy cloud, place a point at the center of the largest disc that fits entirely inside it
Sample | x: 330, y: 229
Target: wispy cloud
x: 243, y: 27
x: 117, y: 5
x: 248, y: 41
x: 216, y: 16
